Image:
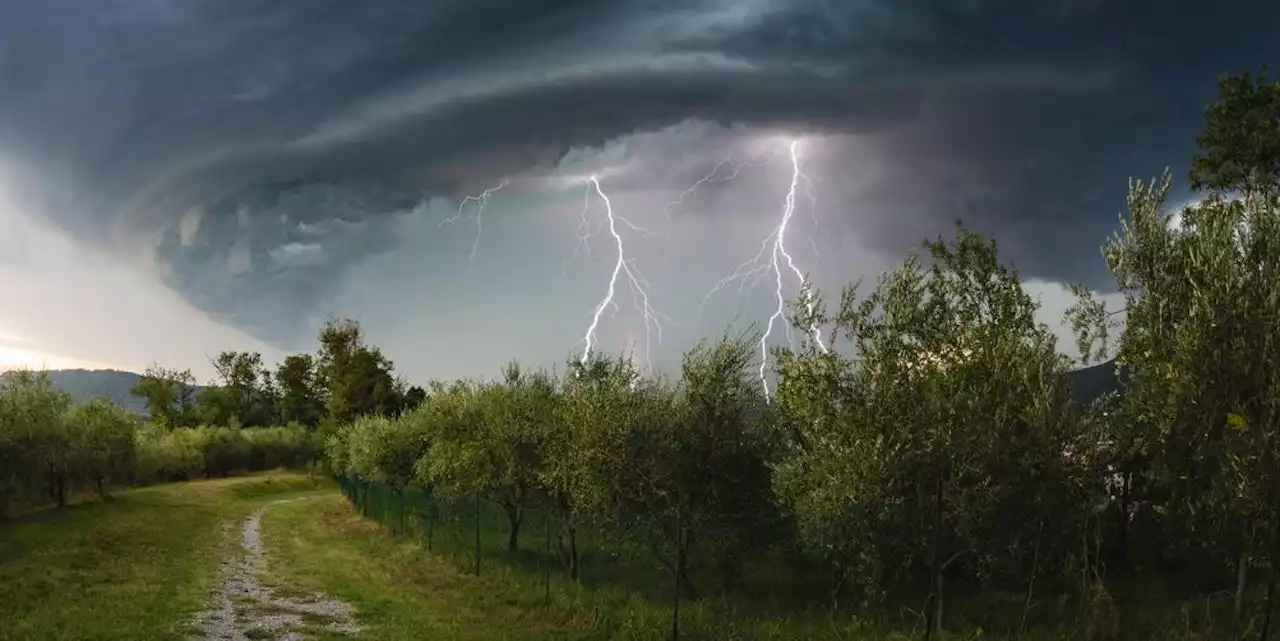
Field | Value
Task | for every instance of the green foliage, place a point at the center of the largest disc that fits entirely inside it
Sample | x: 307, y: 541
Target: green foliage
x: 1193, y: 440
x: 382, y: 451
x: 105, y: 447
x: 301, y: 395
x: 245, y: 391
x: 35, y: 444
x: 49, y: 449
x: 169, y: 395
x: 357, y: 378
x: 1240, y: 142
x: 209, y: 452
x: 951, y: 424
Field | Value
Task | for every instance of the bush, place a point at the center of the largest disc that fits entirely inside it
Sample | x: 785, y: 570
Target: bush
x: 49, y: 449
x: 210, y: 451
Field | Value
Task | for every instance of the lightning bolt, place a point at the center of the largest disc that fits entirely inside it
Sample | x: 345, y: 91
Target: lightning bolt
x: 480, y: 200
x: 713, y: 176
x: 773, y: 259
x: 624, y: 267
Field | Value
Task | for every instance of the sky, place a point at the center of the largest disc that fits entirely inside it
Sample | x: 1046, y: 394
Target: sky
x: 180, y: 177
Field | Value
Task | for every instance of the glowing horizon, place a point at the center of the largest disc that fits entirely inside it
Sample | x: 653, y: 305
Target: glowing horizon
x: 18, y: 358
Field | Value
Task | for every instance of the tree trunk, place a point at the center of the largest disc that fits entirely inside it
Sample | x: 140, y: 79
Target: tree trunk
x: 1265, y: 633
x: 400, y: 508
x: 574, y: 565
x: 1242, y: 571
x: 546, y: 560
x: 677, y: 571
x: 839, y: 574
x: 62, y: 489
x: 1125, y: 490
x: 938, y: 604
x: 477, y: 535
x: 934, y: 628
x: 102, y: 490
x: 515, y: 516
x: 1031, y: 583
x: 690, y: 591
x: 567, y: 540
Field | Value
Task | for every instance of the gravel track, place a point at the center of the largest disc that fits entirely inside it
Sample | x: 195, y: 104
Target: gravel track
x: 243, y: 608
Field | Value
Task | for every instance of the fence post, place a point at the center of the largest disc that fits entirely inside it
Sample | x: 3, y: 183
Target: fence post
x: 431, y: 522
x: 679, y: 564
x: 384, y: 506
x: 477, y: 534
x: 546, y: 560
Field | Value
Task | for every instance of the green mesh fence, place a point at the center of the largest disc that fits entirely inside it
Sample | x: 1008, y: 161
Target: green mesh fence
x: 476, y: 535
x: 476, y: 532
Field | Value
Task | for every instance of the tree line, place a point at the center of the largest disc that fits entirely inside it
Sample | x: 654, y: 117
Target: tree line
x: 250, y: 418
x: 935, y: 448
x: 346, y: 378
x: 51, y: 449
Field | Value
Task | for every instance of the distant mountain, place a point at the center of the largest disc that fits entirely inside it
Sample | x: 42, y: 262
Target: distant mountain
x: 1089, y: 383
x: 83, y: 384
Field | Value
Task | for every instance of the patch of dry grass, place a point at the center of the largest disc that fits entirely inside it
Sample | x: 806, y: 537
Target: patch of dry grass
x: 399, y: 591
x: 133, y: 569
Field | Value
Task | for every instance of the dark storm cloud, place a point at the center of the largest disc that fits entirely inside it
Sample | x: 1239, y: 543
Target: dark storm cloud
x: 287, y: 135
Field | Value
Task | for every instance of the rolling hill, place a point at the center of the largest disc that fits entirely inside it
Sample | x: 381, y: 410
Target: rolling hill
x: 1088, y: 383
x: 83, y: 384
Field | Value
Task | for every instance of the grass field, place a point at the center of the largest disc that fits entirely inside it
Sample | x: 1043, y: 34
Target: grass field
x: 400, y: 591
x: 406, y: 593
x: 137, y: 568
x: 134, y: 568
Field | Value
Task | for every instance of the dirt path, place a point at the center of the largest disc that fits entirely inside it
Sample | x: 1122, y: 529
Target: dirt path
x: 243, y: 608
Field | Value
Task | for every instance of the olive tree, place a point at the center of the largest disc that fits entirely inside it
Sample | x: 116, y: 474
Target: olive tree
x: 494, y: 447
x: 1202, y: 306
x: 516, y: 440
x: 33, y: 443
x: 103, y: 437
x: 951, y: 423
x: 466, y: 457
x: 592, y: 398
x: 34, y: 431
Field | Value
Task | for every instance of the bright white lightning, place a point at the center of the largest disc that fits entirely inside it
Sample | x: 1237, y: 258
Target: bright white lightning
x: 585, y: 232
x: 713, y: 176
x: 773, y: 258
x: 622, y: 267
x: 480, y: 200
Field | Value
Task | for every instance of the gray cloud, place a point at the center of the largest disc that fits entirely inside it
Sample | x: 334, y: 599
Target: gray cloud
x: 262, y: 156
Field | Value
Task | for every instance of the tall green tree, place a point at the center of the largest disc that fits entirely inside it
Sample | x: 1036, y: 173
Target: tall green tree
x: 414, y: 397
x: 216, y: 405
x: 301, y: 396
x: 247, y: 387
x: 1239, y: 147
x: 169, y: 395
x: 357, y: 379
